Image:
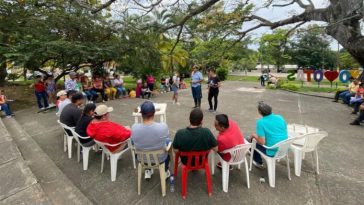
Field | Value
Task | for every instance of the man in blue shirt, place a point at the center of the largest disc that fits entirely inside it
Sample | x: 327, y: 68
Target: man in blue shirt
x: 270, y: 130
x: 196, y: 79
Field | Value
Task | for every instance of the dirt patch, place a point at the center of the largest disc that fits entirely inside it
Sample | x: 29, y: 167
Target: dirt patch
x: 22, y: 94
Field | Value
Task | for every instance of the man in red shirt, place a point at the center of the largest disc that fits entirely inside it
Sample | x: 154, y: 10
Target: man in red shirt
x: 40, y: 93
x: 104, y: 130
x: 229, y: 135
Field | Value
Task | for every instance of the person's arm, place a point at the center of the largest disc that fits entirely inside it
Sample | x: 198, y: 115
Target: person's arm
x: 259, y: 136
x: 260, y: 140
x: 2, y: 99
x: 175, y: 143
x: 122, y: 133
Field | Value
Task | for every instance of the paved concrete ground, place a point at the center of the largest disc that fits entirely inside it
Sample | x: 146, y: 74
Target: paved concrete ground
x: 18, y: 184
x: 342, y: 169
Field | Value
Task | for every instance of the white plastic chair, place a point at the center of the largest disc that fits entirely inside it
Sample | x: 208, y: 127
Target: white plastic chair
x: 114, y: 157
x: 85, y: 150
x: 146, y: 162
x: 67, y: 139
x: 238, y: 156
x: 310, y: 145
x: 282, y: 152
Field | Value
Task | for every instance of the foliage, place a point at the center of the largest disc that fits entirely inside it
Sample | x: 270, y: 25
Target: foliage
x: 312, y: 49
x: 222, y: 73
x: 347, y: 61
x: 289, y: 86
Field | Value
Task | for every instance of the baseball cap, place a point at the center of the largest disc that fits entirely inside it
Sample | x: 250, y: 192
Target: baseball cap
x: 60, y: 93
x: 147, y: 107
x: 102, y: 110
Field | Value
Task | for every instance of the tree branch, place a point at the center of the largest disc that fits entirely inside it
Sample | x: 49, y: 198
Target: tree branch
x: 177, y: 40
x: 149, y: 6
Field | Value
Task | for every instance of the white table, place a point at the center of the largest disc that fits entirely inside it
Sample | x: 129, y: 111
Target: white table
x: 160, y: 108
x: 296, y: 130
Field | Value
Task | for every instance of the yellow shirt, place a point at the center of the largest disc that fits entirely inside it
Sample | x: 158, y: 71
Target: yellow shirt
x: 353, y: 88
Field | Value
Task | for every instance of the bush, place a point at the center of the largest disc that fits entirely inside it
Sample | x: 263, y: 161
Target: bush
x: 289, y: 86
x: 222, y: 73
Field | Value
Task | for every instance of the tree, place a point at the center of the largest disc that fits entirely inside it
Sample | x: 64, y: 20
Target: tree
x: 273, y: 48
x: 343, y: 19
x: 347, y: 61
x: 311, y: 48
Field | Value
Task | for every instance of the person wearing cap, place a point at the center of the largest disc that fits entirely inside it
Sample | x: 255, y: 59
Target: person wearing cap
x: 40, y: 93
x: 71, y: 113
x: 196, y: 79
x: 150, y: 135
x: 66, y: 101
x: 61, y: 96
x: 4, y: 105
x: 71, y: 84
x: 104, y: 130
x: 270, y: 130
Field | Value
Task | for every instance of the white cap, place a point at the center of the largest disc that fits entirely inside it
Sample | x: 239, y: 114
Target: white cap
x: 102, y: 110
x: 60, y: 93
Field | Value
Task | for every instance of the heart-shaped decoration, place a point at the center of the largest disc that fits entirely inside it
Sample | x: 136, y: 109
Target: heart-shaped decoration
x: 331, y: 75
x: 354, y: 73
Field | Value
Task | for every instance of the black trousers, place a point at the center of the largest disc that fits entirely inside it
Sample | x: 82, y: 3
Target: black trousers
x: 213, y: 93
x: 338, y: 93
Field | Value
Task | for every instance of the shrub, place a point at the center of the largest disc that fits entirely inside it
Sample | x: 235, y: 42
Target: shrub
x: 289, y: 86
x: 222, y: 73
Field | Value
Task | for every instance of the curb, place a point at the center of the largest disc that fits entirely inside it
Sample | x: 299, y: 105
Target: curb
x: 306, y: 94
x: 56, y: 185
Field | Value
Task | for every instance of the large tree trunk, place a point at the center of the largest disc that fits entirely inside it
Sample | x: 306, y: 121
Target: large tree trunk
x: 3, y: 72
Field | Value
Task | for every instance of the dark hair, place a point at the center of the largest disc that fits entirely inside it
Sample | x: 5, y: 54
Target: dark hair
x: 98, y: 117
x: 148, y: 115
x: 223, y: 120
x: 264, y: 109
x: 196, y: 117
x: 70, y: 93
x: 89, y: 107
x: 76, y: 97
x: 212, y: 69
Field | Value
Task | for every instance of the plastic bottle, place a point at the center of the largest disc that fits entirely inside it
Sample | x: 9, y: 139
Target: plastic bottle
x: 171, y: 183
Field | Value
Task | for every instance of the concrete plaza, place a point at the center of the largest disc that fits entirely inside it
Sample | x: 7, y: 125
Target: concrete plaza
x: 340, y: 181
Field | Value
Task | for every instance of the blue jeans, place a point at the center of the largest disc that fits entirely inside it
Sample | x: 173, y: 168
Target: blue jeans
x: 345, y: 96
x: 196, y: 93
x: 256, y: 156
x: 42, y: 95
x: 120, y: 91
x: 6, y: 109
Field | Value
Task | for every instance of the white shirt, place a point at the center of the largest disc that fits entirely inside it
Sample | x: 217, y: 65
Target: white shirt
x: 175, y: 80
x: 118, y: 82
x: 62, y: 105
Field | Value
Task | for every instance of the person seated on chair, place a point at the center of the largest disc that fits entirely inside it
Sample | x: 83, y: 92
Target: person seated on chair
x: 151, y: 136
x: 71, y: 113
x: 4, y: 105
x: 270, y: 130
x: 86, y: 118
x: 350, y: 92
x: 229, y: 135
x: 65, y: 102
x: 71, y: 84
x: 119, y: 85
x: 110, y: 91
x: 194, y: 137
x: 358, y: 99
x: 358, y: 120
x: 106, y: 131
x: 146, y: 92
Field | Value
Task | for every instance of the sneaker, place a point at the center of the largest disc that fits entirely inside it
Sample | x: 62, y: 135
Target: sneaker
x: 210, y: 110
x: 257, y: 165
x: 168, y: 174
x: 148, y: 174
x: 354, y: 113
x: 355, y: 123
x: 9, y: 116
x: 177, y: 103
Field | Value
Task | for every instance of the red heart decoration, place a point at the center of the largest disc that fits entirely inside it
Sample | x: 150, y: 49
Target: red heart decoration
x: 331, y: 75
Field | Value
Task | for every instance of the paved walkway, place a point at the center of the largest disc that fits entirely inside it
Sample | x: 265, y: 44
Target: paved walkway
x: 18, y: 184
x: 340, y: 181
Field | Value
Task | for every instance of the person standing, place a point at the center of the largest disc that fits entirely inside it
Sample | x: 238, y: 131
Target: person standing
x: 40, y: 93
x: 213, y: 87
x: 71, y: 84
x: 175, y: 87
x: 51, y: 89
x: 196, y: 79
x: 150, y: 82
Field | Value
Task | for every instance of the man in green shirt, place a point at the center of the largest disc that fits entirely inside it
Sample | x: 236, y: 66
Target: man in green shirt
x: 194, y: 137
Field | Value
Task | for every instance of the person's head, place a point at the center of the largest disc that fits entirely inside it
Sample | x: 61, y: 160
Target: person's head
x: 102, y: 112
x: 145, y: 84
x: 73, y: 75
x: 116, y: 76
x: 2, y: 92
x: 70, y: 93
x: 147, y: 110
x: 356, y: 82
x: 221, y: 122
x: 196, y: 117
x: 78, y: 99
x: 195, y: 68
x: 50, y: 77
x: 264, y: 109
x: 212, y: 71
x: 38, y: 78
x: 61, y: 95
x: 89, y: 109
